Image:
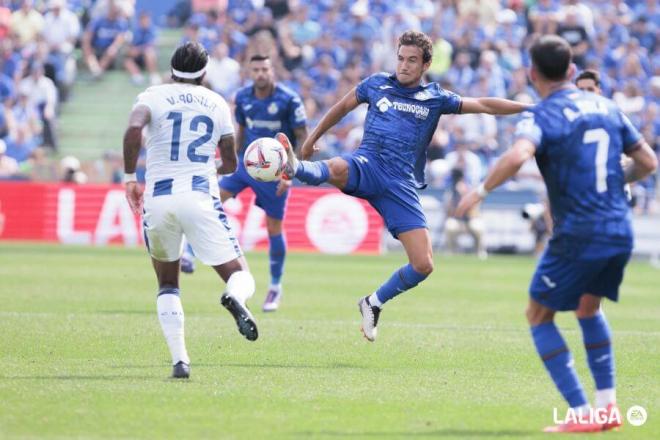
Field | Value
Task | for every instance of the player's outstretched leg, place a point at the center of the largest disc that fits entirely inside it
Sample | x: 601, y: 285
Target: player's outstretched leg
x: 240, y: 288
x: 558, y: 361
x: 312, y: 173
x: 277, y: 255
x: 418, y: 247
x: 170, y: 315
x: 598, y: 344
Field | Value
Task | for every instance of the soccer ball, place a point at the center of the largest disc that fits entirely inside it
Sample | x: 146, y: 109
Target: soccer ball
x: 264, y: 159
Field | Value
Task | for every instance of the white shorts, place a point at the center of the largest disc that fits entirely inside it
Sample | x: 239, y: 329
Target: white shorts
x: 197, y: 215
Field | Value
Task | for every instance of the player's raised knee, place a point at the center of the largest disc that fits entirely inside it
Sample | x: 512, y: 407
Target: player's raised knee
x: 424, y: 267
x: 338, y: 169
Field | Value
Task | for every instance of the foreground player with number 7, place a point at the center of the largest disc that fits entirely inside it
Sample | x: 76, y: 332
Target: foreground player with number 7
x: 185, y: 123
x: 577, y: 138
x: 388, y: 168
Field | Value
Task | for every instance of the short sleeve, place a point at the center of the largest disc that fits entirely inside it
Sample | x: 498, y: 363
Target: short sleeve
x: 296, y: 115
x: 451, y: 103
x: 238, y: 111
x: 225, y: 124
x: 362, y: 90
x: 629, y: 134
x: 147, y: 99
x: 527, y: 128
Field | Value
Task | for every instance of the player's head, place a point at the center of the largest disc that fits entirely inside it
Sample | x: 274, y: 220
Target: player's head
x: 414, y: 57
x: 261, y: 72
x: 589, y: 81
x: 551, y: 60
x: 189, y: 63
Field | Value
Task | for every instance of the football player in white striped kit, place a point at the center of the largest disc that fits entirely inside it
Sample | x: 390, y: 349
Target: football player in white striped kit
x: 183, y: 123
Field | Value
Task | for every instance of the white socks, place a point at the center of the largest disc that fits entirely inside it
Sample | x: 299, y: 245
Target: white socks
x: 605, y: 397
x: 240, y: 285
x: 374, y: 301
x: 170, y: 315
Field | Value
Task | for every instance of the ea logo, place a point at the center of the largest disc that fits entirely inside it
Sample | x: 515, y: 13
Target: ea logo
x: 384, y: 105
x: 636, y: 415
x: 337, y: 224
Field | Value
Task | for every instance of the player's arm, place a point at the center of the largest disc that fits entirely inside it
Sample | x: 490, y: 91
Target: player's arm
x: 492, y: 106
x: 644, y: 162
x: 138, y: 119
x: 240, y: 136
x: 301, y: 134
x: 348, y: 103
x: 227, y: 147
x: 506, y: 167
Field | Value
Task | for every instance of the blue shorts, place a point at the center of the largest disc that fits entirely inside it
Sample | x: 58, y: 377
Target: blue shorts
x: 395, y: 200
x: 265, y: 191
x: 562, y: 277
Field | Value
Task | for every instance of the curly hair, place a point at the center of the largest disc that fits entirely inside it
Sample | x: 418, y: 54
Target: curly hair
x: 418, y: 39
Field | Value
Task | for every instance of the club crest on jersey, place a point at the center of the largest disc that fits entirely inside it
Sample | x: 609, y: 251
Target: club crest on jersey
x: 272, y: 108
x: 423, y: 95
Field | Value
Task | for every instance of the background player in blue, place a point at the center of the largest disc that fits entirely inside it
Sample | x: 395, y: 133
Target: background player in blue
x: 577, y: 138
x: 262, y: 110
x: 388, y: 167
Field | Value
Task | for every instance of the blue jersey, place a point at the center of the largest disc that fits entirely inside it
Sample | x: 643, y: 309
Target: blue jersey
x: 401, y: 121
x: 579, y: 138
x: 282, y: 111
x: 144, y: 36
x: 105, y: 31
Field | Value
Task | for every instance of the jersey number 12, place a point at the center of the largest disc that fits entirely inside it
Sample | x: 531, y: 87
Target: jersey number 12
x: 195, y: 122
x: 602, y: 140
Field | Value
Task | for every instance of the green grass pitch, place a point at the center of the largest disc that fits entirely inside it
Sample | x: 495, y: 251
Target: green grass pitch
x: 83, y: 356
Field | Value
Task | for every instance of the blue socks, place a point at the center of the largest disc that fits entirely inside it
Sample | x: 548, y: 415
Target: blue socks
x: 403, y: 279
x: 596, y: 336
x: 313, y: 173
x: 559, y: 363
x: 277, y: 253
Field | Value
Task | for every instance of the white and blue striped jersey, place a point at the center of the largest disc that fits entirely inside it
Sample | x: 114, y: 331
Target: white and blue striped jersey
x: 187, y: 122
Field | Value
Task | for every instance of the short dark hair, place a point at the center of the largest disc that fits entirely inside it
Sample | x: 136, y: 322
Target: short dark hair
x: 259, y: 58
x: 589, y: 74
x: 551, y: 55
x: 418, y: 39
x: 189, y: 57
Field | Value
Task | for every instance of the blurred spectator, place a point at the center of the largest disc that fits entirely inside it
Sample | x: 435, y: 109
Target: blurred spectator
x: 61, y: 31
x: 8, y: 165
x: 71, y: 172
x: 27, y: 23
x: 141, y: 53
x: 42, y: 96
x: 25, y: 129
x: 464, y: 174
x: 575, y: 33
x: 5, y: 19
x: 223, y: 73
x: 543, y: 17
x: 102, y: 40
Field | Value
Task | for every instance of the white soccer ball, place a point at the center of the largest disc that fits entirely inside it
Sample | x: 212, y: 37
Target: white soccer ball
x: 264, y: 159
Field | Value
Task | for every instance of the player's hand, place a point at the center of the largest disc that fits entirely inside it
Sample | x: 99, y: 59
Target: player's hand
x: 468, y: 201
x: 282, y: 187
x: 308, y: 149
x: 134, y: 196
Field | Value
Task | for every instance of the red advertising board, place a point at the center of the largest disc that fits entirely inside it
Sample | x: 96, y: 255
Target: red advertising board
x: 318, y: 219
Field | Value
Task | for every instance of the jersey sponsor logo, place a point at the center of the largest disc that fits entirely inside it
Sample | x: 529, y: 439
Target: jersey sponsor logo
x: 273, y: 108
x: 419, y: 111
x: 261, y: 123
x: 384, y: 104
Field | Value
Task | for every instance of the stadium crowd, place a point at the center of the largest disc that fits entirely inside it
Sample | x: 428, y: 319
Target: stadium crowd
x: 322, y: 48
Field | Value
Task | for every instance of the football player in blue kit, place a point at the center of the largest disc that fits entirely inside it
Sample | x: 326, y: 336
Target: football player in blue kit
x: 388, y: 167
x: 577, y: 139
x: 262, y: 110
